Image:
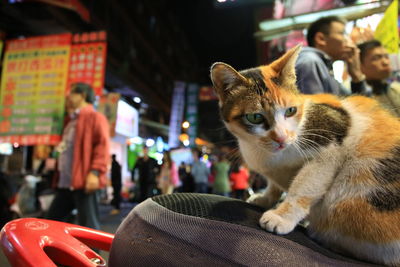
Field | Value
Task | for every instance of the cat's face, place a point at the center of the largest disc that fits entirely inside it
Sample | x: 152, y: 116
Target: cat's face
x: 261, y: 105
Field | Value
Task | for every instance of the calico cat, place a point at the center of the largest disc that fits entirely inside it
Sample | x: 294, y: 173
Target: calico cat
x: 337, y: 159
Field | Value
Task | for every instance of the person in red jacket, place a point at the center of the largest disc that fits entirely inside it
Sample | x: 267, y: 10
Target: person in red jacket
x: 239, y: 178
x: 83, y: 159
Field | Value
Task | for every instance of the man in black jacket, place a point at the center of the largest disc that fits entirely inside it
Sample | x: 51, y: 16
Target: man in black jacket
x: 116, y: 182
x: 148, y: 169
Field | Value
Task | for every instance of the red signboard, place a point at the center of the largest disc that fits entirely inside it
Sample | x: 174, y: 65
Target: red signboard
x: 88, y: 60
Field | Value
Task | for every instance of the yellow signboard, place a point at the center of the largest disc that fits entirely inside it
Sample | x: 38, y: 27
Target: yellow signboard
x: 387, y: 30
x: 33, y: 89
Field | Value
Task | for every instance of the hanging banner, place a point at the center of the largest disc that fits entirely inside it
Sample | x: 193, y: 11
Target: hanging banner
x: 32, y: 92
x: 88, y: 60
x: 178, y: 105
x: 387, y: 30
x: 191, y: 112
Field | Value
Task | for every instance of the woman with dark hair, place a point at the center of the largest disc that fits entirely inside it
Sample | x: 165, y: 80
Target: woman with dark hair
x: 168, y: 178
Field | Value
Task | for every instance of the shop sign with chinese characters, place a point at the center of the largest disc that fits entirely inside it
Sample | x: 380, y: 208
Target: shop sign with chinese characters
x: 32, y: 90
x: 88, y: 60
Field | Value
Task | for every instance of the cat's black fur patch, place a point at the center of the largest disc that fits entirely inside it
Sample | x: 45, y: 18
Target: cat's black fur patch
x: 252, y: 128
x: 256, y: 76
x: 325, y: 124
x: 232, y: 101
x: 388, y: 169
x: 385, y: 198
x: 276, y: 80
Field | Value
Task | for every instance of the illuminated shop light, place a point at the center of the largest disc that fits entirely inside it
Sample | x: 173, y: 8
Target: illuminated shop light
x: 150, y: 142
x: 185, y: 125
x: 136, y: 140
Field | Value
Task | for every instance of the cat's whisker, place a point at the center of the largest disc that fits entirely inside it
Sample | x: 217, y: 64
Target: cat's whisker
x: 312, y: 134
x: 301, y: 152
x: 234, y: 155
x: 224, y: 142
x: 317, y: 149
x: 310, y: 148
x: 236, y: 158
x: 218, y: 129
x: 319, y: 130
x: 310, y: 145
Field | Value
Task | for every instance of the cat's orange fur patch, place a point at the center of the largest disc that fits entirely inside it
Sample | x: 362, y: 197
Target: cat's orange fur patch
x: 304, y: 202
x: 235, y: 111
x: 364, y: 176
x: 268, y: 73
x: 358, y: 219
x: 389, y: 136
x: 283, y: 208
x: 272, y: 135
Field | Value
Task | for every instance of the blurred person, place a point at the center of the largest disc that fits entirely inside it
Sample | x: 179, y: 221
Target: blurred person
x: 83, y: 159
x: 200, y: 173
x: 168, y: 178
x: 375, y: 64
x: 221, y: 184
x: 6, y: 198
x: 239, y: 178
x: 182, y: 175
x: 148, y: 169
x: 211, y: 177
x: 116, y: 183
x: 328, y: 42
x: 186, y: 178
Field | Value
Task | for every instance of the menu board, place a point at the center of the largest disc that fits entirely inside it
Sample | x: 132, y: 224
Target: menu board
x: 32, y: 94
x: 88, y: 60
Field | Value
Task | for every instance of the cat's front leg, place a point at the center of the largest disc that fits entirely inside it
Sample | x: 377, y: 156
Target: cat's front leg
x: 308, y: 187
x: 284, y: 218
x: 268, y: 199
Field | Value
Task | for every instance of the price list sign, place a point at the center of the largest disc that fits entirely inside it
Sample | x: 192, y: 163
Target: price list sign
x: 33, y: 86
x: 88, y: 60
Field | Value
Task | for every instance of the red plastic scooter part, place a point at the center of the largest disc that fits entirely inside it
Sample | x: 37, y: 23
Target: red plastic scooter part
x: 35, y: 242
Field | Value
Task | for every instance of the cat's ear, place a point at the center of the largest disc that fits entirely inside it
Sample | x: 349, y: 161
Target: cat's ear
x: 224, y: 78
x: 284, y: 67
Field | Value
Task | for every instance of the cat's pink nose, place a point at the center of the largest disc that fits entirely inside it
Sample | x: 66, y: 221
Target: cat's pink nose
x: 279, y: 139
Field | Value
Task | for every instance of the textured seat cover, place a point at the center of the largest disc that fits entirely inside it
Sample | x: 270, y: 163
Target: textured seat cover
x: 191, y: 229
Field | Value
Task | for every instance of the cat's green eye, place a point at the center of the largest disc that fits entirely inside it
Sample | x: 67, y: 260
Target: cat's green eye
x: 255, y: 118
x: 290, y: 112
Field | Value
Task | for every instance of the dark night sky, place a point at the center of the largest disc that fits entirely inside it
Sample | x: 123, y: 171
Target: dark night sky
x: 218, y: 34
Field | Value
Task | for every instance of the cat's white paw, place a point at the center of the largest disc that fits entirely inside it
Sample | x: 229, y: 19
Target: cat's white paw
x: 261, y: 200
x: 273, y: 222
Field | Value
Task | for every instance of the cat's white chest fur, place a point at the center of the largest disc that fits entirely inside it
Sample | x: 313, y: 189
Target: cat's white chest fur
x: 281, y: 167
